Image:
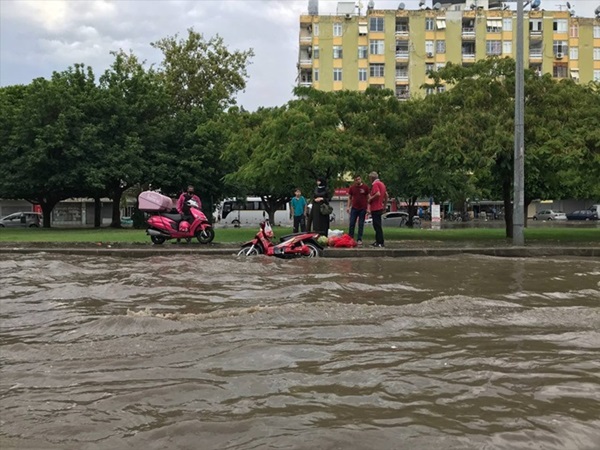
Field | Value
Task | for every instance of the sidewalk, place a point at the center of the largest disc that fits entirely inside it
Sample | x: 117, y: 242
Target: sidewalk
x: 393, y: 251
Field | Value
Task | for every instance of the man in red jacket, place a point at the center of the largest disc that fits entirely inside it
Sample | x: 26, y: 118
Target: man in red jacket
x: 357, y: 207
x: 377, y: 200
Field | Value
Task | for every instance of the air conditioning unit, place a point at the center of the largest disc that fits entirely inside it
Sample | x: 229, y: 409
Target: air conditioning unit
x: 429, y: 55
x: 559, y: 55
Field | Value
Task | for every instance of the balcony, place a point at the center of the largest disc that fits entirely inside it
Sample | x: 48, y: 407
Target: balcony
x: 402, y: 54
x: 403, y: 95
x: 468, y: 33
x: 401, y: 75
x: 535, y: 34
x: 402, y: 30
x: 468, y: 55
x: 535, y: 54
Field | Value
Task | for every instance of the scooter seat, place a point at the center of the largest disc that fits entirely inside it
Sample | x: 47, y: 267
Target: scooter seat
x: 175, y: 217
x: 288, y: 236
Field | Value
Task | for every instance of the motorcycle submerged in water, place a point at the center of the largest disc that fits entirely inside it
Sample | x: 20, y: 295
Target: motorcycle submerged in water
x: 291, y: 246
x: 164, y: 224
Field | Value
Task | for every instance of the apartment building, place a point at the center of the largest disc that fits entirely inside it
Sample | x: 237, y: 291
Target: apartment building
x: 395, y: 49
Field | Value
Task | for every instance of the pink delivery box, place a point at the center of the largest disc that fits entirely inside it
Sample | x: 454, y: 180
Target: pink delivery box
x: 154, y: 201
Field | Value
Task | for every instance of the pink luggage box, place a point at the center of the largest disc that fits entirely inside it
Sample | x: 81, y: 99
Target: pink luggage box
x: 153, y: 201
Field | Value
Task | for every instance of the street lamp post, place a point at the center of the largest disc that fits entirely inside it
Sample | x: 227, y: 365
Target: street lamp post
x: 519, y: 153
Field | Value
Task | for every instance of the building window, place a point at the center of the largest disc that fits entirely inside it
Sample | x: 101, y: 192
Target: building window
x: 362, y: 29
x: 535, y: 49
x: 560, y: 26
x: 429, y: 24
x: 316, y: 29
x: 429, y: 90
x: 560, y: 48
x: 440, y: 24
x: 402, y: 50
x: 362, y: 74
x: 441, y: 89
x: 337, y: 74
x: 337, y: 29
x: 596, y: 31
x: 440, y: 46
x: 574, y: 53
x: 507, y: 47
x: 316, y: 74
x: 376, y: 24
x: 429, y: 67
x: 376, y: 47
x: 316, y: 52
x: 493, y: 47
x: 494, y: 26
x: 337, y: 52
x: 574, y: 30
x: 507, y: 24
x: 439, y: 66
x: 535, y: 26
x: 596, y: 53
x: 362, y: 52
x: 429, y: 47
x: 376, y: 70
x: 560, y: 70
x: 596, y: 75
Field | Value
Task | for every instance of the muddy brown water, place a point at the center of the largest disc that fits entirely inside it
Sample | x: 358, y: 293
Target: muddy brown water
x: 464, y: 352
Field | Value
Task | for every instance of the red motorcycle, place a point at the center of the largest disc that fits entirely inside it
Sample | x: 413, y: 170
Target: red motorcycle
x: 163, y: 226
x: 290, y: 246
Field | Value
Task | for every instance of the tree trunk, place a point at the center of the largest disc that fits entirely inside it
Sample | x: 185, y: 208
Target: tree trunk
x: 47, y: 205
x: 508, y: 207
x: 116, y: 208
x: 97, y: 212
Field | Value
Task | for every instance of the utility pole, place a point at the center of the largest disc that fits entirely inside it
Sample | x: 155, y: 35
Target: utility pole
x: 519, y: 162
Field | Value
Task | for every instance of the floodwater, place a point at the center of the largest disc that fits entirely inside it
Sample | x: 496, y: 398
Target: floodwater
x: 463, y: 352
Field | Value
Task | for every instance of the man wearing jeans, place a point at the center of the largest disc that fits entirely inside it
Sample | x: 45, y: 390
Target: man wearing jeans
x: 357, y: 207
x: 377, y: 201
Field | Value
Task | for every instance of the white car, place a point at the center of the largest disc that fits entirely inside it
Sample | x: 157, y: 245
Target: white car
x: 549, y: 214
x: 394, y: 219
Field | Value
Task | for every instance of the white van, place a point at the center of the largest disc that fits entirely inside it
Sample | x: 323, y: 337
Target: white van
x: 249, y: 211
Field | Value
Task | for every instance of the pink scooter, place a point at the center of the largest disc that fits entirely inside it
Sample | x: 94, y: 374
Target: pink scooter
x: 163, y: 226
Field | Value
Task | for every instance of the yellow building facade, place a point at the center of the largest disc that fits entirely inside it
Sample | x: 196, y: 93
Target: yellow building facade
x: 395, y: 49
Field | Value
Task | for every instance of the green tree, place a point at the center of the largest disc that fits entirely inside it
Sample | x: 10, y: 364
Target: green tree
x: 42, y: 128
x: 133, y: 106
x: 201, y: 78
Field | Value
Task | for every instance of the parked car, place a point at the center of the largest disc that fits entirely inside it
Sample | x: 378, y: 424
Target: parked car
x: 549, y: 214
x: 21, y: 219
x: 394, y: 219
x: 583, y: 214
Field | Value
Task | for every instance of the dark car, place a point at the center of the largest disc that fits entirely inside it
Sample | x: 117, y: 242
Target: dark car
x: 21, y: 219
x: 583, y: 214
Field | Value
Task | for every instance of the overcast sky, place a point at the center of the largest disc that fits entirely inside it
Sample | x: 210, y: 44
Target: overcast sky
x: 38, y: 37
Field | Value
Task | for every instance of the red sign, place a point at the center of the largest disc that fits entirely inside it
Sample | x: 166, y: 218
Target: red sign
x: 341, y: 191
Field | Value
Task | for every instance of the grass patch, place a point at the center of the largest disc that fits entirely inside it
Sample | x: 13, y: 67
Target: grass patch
x: 236, y: 235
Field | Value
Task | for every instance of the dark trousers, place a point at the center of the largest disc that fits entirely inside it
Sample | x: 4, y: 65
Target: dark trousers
x: 360, y: 215
x: 299, y: 222
x: 376, y: 215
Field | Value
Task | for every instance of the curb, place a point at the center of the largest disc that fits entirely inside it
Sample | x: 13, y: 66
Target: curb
x: 512, y: 252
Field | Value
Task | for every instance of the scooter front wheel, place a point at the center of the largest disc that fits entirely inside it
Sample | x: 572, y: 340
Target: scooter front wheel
x: 250, y: 250
x: 205, y: 236
x: 315, y: 251
x: 157, y: 239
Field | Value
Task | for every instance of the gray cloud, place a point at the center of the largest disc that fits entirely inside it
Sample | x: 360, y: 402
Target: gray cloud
x: 38, y: 37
